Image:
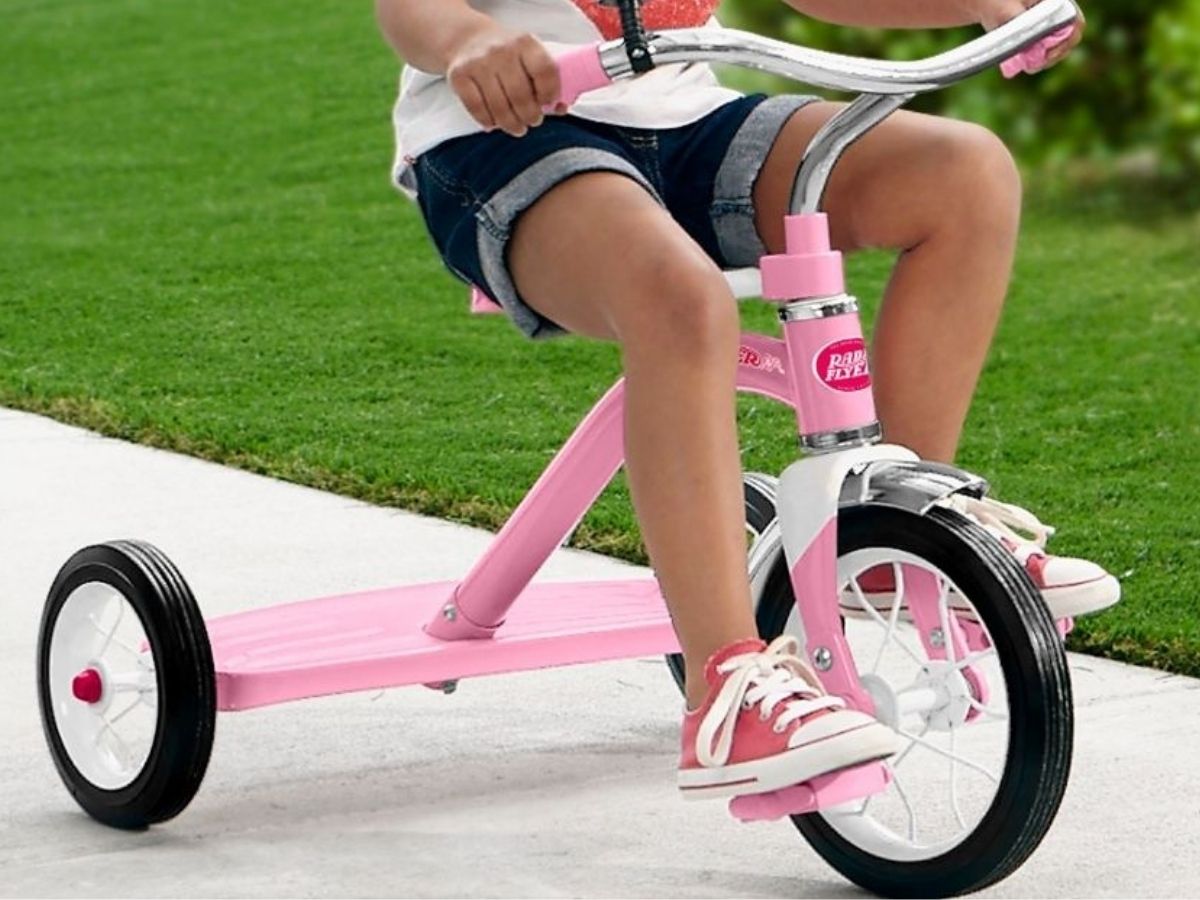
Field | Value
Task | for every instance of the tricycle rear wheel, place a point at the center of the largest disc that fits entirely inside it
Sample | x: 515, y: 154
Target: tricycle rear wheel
x: 126, y: 684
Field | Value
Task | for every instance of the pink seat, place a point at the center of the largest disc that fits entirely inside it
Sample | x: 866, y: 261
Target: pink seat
x: 482, y: 304
x: 745, y: 283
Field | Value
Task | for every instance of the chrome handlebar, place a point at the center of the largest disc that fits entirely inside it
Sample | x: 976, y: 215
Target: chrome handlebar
x: 885, y: 86
x: 848, y: 73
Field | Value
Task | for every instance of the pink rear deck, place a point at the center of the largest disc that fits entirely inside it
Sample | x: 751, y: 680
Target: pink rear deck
x: 376, y: 639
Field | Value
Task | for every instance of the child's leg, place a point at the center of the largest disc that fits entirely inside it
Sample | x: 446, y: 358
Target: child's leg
x: 947, y: 195
x: 565, y: 228
x: 624, y: 270
x: 757, y: 717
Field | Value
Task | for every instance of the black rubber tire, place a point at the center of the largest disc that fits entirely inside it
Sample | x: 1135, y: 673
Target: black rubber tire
x: 187, y: 705
x: 1041, y: 715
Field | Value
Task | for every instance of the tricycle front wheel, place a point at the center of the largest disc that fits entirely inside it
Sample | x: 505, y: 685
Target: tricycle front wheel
x: 987, y: 725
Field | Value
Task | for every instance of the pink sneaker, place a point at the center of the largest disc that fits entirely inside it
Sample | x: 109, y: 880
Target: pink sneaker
x: 1071, y: 587
x: 767, y: 724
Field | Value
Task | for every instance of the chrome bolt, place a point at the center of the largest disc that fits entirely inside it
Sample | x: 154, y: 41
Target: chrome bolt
x: 449, y: 612
x: 823, y: 659
x: 937, y: 638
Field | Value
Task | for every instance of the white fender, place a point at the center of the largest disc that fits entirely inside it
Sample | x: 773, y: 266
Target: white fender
x: 819, y: 486
x: 810, y: 488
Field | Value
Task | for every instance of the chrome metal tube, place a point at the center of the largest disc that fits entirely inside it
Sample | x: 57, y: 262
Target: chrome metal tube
x: 834, y: 441
x: 828, y: 145
x: 849, y: 73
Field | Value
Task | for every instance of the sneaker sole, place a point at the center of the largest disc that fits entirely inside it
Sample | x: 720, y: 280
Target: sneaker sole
x: 861, y: 744
x: 1073, y: 601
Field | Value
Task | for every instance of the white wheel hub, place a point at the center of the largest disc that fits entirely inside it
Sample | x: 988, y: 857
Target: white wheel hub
x: 103, y: 687
x: 953, y: 704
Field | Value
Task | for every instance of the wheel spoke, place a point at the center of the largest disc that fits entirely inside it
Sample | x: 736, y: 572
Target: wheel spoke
x: 962, y: 823
x: 893, y: 618
x: 936, y: 749
x: 116, y: 622
x: 908, y: 808
x: 110, y: 638
x: 874, y: 614
x: 912, y: 742
x: 987, y: 710
x: 895, y: 765
x: 971, y: 658
x: 119, y: 716
x: 138, y: 656
x: 120, y: 750
x: 142, y: 682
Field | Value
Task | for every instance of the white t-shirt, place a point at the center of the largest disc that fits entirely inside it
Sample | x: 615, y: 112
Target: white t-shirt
x: 428, y: 112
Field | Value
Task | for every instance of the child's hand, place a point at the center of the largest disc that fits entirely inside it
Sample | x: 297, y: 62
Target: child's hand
x: 504, y: 79
x: 994, y: 13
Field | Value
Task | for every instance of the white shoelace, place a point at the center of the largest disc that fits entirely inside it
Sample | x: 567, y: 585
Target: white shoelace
x: 1022, y: 528
x: 776, y: 677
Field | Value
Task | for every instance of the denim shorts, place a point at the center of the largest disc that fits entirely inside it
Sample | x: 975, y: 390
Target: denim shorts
x: 472, y: 189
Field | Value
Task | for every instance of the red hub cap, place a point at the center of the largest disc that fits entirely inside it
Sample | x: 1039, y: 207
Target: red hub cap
x: 87, y: 686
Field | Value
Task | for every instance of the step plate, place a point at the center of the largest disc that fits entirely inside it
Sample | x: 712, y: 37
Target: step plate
x: 376, y: 639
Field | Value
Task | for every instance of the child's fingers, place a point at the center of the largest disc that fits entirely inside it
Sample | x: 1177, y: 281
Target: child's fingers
x: 1068, y: 45
x: 507, y: 119
x: 519, y: 90
x: 502, y: 81
x: 473, y: 99
x: 542, y: 71
x: 996, y: 12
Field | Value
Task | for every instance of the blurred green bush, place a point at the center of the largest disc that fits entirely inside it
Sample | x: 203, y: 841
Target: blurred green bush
x: 1134, y: 84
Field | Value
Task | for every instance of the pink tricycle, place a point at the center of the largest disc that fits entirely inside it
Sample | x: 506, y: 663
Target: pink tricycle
x: 960, y: 657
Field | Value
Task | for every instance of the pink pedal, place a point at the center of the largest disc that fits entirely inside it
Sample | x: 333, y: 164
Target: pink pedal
x: 821, y: 792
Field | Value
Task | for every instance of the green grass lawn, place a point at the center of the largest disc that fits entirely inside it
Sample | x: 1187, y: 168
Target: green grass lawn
x: 199, y: 249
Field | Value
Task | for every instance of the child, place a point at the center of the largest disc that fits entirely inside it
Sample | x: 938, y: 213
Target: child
x: 615, y: 220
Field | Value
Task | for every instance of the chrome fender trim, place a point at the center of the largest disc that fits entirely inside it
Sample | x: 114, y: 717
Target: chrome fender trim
x: 913, y: 485
x: 905, y: 484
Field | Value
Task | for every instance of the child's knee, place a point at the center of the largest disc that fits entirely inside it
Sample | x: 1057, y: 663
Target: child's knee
x: 679, y: 305
x: 981, y: 180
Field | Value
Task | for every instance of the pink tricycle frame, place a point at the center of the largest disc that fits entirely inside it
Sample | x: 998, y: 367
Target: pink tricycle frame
x: 495, y: 619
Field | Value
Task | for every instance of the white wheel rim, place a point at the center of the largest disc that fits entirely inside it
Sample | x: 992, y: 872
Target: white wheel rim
x: 109, y: 740
x: 917, y: 818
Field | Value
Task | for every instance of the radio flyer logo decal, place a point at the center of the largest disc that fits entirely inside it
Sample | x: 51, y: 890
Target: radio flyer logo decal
x: 842, y: 365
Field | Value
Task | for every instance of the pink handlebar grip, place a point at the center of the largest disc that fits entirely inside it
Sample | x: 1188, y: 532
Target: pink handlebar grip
x: 1034, y: 58
x: 579, y: 71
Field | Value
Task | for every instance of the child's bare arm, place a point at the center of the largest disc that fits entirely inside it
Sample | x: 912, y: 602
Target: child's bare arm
x: 927, y: 14
x: 504, y: 78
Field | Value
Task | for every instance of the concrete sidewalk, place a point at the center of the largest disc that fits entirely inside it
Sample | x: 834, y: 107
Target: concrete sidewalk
x: 552, y: 783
